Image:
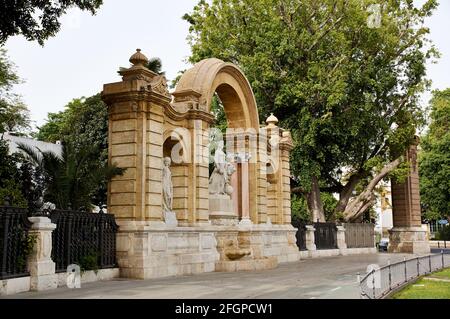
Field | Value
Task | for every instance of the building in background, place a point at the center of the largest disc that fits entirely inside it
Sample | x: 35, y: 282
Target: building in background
x: 14, y: 141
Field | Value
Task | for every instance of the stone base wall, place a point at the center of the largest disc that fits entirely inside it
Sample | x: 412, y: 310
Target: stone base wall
x: 14, y: 286
x: 411, y: 240
x: 146, y: 250
x: 91, y: 276
x: 307, y: 254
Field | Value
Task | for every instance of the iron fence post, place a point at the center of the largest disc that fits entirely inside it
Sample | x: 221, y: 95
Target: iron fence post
x: 406, y: 272
x: 360, y: 286
x: 373, y: 283
x: 390, y: 275
x: 442, y: 256
x: 418, y: 267
x: 429, y: 261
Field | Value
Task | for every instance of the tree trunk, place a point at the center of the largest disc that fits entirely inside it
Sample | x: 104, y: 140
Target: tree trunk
x: 314, y: 201
x: 346, y: 193
x: 366, y: 199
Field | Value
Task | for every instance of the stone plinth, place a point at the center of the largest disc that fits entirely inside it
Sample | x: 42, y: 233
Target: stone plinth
x: 147, y: 250
x: 310, y: 238
x: 411, y: 240
x: 221, y: 211
x: 40, y: 264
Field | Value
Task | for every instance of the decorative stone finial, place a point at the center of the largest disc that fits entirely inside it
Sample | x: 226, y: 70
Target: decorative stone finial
x: 139, y: 59
x: 272, y: 121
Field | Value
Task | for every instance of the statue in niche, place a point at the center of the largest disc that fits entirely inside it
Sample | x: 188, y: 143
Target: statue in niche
x: 219, y: 182
x: 167, y: 186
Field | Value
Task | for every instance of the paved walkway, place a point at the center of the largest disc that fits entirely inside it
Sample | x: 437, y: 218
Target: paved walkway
x: 334, y: 277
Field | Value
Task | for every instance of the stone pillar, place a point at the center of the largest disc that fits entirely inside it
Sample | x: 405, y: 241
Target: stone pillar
x: 341, y: 244
x: 245, y: 190
x: 40, y: 263
x: 310, y: 239
x: 407, y: 236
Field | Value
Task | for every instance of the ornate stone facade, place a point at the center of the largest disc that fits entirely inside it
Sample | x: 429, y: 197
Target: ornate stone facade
x: 146, y: 124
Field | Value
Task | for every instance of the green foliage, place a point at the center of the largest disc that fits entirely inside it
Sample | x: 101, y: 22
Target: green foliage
x: 89, y: 262
x: 72, y: 179
x: 155, y: 65
x: 299, y: 207
x: 14, y: 116
x: 348, y: 93
x: 27, y: 244
x: 444, y: 233
x: 434, y: 160
x: 83, y: 127
x: 37, y: 20
x: 10, y: 186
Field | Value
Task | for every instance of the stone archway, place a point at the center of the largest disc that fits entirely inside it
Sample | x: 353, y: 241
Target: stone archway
x: 212, y: 76
x: 146, y: 123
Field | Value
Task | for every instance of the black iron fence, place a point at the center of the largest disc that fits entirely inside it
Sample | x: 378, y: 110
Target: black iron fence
x: 378, y: 283
x: 325, y: 235
x: 301, y: 233
x: 85, y: 239
x: 358, y: 235
x: 14, y: 242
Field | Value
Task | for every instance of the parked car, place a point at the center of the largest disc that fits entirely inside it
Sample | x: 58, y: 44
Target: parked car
x: 383, y: 244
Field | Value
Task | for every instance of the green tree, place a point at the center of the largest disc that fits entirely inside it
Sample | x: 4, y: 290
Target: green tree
x: 348, y: 91
x: 37, y: 20
x: 72, y: 179
x: 434, y: 159
x: 82, y: 125
x: 10, y: 187
x: 14, y: 115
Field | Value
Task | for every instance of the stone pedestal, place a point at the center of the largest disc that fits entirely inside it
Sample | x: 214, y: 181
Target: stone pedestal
x: 310, y: 239
x: 411, y: 240
x: 148, y: 250
x: 40, y: 264
x: 221, y: 211
x: 341, y: 244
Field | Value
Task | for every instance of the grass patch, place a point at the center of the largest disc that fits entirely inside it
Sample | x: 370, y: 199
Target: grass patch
x: 445, y: 274
x: 426, y: 289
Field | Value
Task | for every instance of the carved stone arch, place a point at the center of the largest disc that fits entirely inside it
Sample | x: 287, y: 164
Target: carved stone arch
x: 213, y: 75
x: 195, y: 91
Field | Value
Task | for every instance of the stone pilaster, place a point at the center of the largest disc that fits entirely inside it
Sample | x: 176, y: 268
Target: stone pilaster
x: 40, y: 264
x: 407, y: 236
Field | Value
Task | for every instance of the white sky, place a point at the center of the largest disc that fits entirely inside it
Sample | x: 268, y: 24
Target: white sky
x: 88, y: 50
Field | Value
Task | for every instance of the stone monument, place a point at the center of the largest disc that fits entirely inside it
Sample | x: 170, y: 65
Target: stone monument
x: 220, y: 203
x: 221, y: 219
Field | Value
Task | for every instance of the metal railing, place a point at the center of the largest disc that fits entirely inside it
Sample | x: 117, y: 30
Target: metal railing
x: 14, y: 226
x: 325, y: 236
x: 83, y: 237
x: 379, y: 282
x: 301, y: 233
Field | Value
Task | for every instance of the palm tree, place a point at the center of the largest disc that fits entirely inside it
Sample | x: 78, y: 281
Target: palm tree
x: 70, y: 180
x: 155, y: 65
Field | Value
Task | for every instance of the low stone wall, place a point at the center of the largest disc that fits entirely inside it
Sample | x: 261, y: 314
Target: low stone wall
x: 307, y: 254
x: 91, y: 276
x: 14, y: 286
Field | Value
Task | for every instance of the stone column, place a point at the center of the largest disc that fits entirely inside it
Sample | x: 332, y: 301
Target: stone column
x: 310, y: 239
x: 341, y: 244
x: 245, y: 190
x: 407, y: 236
x: 40, y: 264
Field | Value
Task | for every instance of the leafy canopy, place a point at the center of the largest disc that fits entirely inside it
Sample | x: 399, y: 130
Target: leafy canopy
x: 434, y: 160
x: 349, y: 93
x: 36, y: 19
x: 14, y: 115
